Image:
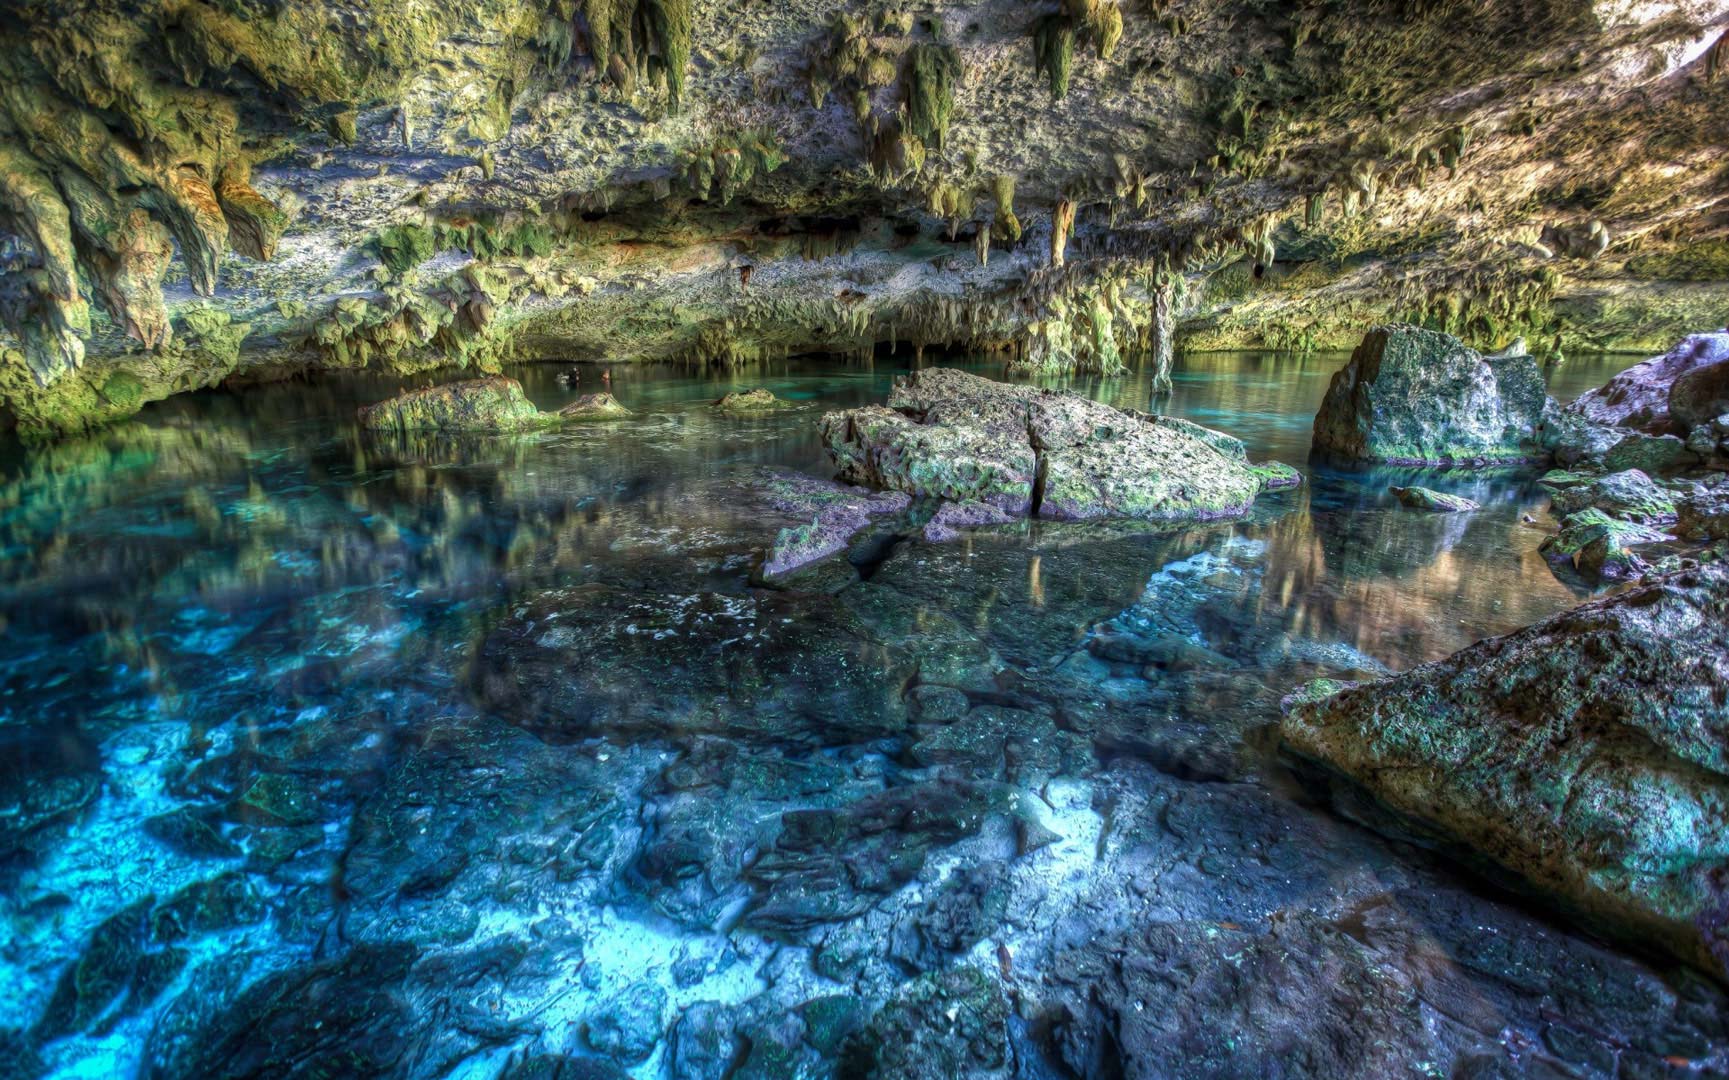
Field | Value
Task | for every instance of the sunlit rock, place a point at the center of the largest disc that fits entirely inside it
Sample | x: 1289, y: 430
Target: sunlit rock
x: 950, y: 435
x: 1418, y: 397
x: 495, y: 403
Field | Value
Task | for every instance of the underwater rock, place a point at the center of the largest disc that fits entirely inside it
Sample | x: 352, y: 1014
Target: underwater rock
x: 1630, y: 495
x: 1422, y: 498
x: 1419, y: 397
x: 596, y: 406
x: 1023, y: 450
x: 943, y: 1026
x: 758, y: 400
x: 1639, y: 398
x: 791, y: 667
x: 628, y: 1026
x: 1587, y: 755
x: 45, y: 776
x: 495, y: 403
x: 344, y: 1016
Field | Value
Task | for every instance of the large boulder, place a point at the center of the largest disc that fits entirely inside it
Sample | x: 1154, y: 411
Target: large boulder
x: 1700, y: 396
x: 1639, y: 398
x: 495, y: 403
x: 1417, y: 397
x: 949, y: 435
x: 1587, y: 756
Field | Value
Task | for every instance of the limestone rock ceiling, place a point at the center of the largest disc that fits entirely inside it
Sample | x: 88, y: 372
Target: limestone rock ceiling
x: 189, y: 190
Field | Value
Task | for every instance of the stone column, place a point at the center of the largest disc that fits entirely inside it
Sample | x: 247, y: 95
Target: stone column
x: 1164, y: 331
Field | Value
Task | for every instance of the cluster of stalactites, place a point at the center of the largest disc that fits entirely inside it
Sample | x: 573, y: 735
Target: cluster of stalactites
x: 111, y: 155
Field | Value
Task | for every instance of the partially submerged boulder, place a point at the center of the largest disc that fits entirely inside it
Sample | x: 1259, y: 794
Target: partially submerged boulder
x: 596, y: 406
x: 1587, y: 756
x: 829, y: 514
x: 1638, y: 399
x: 1439, y: 502
x: 1417, y: 397
x: 495, y: 403
x: 1023, y: 450
x: 748, y: 401
x: 1600, y: 547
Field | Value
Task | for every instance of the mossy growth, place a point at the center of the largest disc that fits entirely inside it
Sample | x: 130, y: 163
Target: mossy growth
x: 928, y: 79
x: 727, y: 166
x: 401, y: 248
x: 850, y: 60
x: 489, y: 239
x: 647, y: 39
x: 1054, y: 51
x: 1705, y: 260
x: 1005, y: 227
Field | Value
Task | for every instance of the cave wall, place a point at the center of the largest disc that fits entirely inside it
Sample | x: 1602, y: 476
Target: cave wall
x: 192, y: 192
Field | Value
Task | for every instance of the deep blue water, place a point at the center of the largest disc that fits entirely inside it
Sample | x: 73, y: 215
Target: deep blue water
x: 435, y: 756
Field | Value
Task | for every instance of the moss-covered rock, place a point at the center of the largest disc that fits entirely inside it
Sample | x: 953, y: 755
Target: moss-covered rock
x: 950, y: 435
x: 494, y: 403
x: 1586, y: 756
x: 1417, y: 397
x: 750, y: 401
x: 1438, y: 502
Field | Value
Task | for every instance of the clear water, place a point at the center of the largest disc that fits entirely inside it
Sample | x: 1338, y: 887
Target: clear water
x: 459, y: 752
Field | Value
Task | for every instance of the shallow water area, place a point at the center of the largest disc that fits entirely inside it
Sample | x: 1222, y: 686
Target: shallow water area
x: 329, y: 753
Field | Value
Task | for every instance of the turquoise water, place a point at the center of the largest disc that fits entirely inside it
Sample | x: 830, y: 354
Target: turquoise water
x: 330, y: 754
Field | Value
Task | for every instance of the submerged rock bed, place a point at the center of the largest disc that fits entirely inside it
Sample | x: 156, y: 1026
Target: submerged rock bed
x: 432, y: 755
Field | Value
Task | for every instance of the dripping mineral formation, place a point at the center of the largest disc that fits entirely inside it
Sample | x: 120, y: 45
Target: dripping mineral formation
x: 191, y: 195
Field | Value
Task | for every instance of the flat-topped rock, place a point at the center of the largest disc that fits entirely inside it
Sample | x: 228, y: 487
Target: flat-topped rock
x: 1587, y: 755
x: 495, y: 403
x: 1438, y: 502
x: 1417, y: 397
x: 951, y: 435
x: 758, y: 400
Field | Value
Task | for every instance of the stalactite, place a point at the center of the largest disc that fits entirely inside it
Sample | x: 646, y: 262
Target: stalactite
x: 1062, y: 224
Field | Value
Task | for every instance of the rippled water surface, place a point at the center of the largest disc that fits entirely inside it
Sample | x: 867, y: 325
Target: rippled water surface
x: 326, y: 754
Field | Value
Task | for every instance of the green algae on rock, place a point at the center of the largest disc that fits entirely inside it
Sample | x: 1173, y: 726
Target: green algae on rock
x: 1418, y: 397
x: 1599, y: 546
x: 748, y: 401
x: 1586, y: 756
x: 1440, y: 502
x: 495, y: 403
x: 1052, y: 454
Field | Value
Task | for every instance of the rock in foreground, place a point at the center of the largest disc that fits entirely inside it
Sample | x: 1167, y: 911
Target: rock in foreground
x: 495, y: 403
x: 1418, y: 397
x: 1027, y: 451
x: 1588, y: 755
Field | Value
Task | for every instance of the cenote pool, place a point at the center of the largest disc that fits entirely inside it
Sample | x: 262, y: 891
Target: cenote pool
x: 328, y: 754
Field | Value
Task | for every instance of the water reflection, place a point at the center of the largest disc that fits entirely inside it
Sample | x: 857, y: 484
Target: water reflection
x: 288, y: 710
